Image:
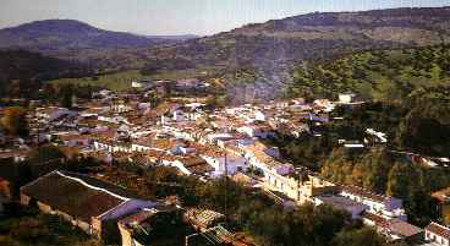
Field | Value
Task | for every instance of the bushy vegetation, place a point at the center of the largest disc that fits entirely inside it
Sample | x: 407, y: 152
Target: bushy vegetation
x: 25, y: 226
x: 420, y: 125
x: 14, y: 122
x: 391, y: 75
x: 306, y: 151
x: 155, y: 66
x: 22, y: 72
x: 392, y: 174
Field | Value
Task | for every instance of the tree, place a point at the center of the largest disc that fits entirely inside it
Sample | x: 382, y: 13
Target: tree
x: 46, y: 153
x: 14, y: 122
x: 364, y: 236
x: 48, y: 92
x: 30, y: 230
x: 153, y: 99
x: 67, y: 94
x: 110, y: 232
x: 217, y: 101
x: 400, y: 180
x: 407, y: 182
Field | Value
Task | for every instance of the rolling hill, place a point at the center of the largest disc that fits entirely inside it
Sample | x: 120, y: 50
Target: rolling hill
x: 268, y: 50
x: 63, y: 36
x: 274, y: 47
x: 319, y: 35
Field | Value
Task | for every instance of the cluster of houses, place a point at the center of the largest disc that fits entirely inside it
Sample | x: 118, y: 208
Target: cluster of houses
x: 202, y: 143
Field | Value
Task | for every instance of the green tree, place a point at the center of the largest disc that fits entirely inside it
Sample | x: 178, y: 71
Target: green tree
x: 400, y: 180
x: 46, y: 153
x: 364, y: 236
x: 14, y: 121
x: 67, y: 95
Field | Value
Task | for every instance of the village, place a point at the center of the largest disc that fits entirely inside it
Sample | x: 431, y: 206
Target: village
x: 203, y: 142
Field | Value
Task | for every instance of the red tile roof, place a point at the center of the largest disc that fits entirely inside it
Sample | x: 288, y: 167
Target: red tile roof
x: 439, y: 230
x: 378, y: 220
x: 402, y: 228
x: 71, y: 195
x: 364, y: 193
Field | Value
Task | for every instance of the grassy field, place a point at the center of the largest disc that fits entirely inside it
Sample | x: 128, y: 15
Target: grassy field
x: 122, y: 80
x: 117, y: 81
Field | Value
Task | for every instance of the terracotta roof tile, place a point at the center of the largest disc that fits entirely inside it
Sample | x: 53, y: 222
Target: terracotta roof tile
x: 439, y: 230
x: 71, y: 196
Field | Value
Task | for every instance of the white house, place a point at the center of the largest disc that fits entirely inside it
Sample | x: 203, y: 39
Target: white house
x: 256, y: 131
x: 112, y: 119
x: 324, y: 104
x: 105, y: 93
x: 380, y: 136
x: 388, y: 206
x: 190, y: 166
x: 259, y: 115
x: 51, y: 114
x: 229, y: 165
x: 76, y: 140
x: 346, y: 97
x: 136, y: 84
x: 179, y: 165
x: 355, y: 209
x: 178, y: 115
x: 244, y: 142
x: 393, y: 229
x: 213, y: 138
x: 120, y: 106
x: 187, y: 150
x: 112, y: 147
x: 139, y: 147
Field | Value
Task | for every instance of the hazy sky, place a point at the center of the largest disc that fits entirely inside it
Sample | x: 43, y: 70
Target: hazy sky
x: 182, y: 16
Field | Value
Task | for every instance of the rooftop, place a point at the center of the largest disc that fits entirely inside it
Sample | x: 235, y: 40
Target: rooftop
x: 342, y: 203
x: 203, y: 217
x: 74, y: 195
x: 439, y: 230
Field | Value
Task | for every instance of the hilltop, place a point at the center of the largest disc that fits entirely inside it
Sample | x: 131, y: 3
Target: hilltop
x: 61, y: 37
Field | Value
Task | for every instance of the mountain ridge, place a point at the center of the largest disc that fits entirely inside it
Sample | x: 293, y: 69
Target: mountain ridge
x: 55, y: 36
x: 271, y: 49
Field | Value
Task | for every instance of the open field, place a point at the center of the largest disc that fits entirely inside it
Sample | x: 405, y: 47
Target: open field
x: 122, y: 80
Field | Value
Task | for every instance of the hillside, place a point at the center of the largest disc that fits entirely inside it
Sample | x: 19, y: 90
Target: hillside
x: 266, y: 46
x: 23, y: 71
x: 272, y: 48
x: 411, y: 87
x: 319, y: 35
x: 255, y: 60
x: 393, y: 75
x: 61, y: 37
